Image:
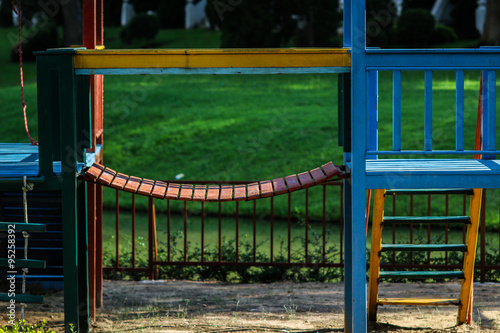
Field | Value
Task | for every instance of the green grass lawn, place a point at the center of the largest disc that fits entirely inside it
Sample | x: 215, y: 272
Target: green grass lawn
x: 248, y: 127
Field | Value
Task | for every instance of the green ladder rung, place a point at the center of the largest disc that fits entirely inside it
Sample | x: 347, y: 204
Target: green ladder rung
x: 466, y: 191
x: 21, y: 226
x: 22, y: 298
x: 422, y: 275
x: 23, y: 263
x: 424, y: 247
x: 426, y: 219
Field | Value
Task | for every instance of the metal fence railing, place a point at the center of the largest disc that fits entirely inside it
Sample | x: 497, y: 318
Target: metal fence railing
x: 242, y: 235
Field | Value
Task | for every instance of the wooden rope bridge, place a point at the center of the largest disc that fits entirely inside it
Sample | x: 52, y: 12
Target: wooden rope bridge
x: 102, y: 175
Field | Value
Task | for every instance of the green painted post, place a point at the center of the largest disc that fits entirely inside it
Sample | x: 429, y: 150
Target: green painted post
x: 47, y: 87
x: 67, y: 100
x: 83, y: 261
x: 63, y: 98
x: 344, y: 111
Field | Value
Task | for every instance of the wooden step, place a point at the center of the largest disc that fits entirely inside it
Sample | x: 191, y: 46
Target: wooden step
x: 418, y: 301
x: 422, y: 275
x: 466, y: 191
x: 22, y: 298
x: 424, y: 247
x: 21, y: 226
x: 23, y: 263
x: 426, y: 219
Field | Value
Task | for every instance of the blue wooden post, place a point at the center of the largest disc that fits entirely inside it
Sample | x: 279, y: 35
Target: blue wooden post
x: 355, y: 235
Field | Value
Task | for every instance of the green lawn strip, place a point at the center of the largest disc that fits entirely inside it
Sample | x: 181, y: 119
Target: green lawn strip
x: 248, y: 127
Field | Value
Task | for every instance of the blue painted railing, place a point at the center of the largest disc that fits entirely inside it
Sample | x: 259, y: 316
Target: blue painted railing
x: 488, y: 122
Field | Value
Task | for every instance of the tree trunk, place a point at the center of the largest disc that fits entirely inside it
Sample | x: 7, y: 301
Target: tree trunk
x: 491, y: 33
x: 72, y: 13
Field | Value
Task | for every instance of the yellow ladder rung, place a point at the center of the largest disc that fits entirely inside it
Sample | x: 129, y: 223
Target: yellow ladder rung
x: 418, y: 301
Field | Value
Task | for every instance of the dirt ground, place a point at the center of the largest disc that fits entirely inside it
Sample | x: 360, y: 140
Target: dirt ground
x: 187, y: 306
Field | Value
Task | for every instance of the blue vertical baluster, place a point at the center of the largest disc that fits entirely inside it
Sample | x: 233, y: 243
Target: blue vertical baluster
x: 484, y: 127
x: 460, y: 111
x: 489, y: 112
x: 372, y: 135
x: 428, y: 111
x: 396, y: 111
x: 347, y: 23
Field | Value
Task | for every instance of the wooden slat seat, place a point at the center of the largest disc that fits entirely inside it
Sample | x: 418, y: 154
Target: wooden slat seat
x: 266, y: 189
x: 279, y: 186
x: 318, y: 175
x: 305, y: 180
x: 226, y: 193
x: 200, y: 192
x: 213, y: 193
x: 146, y: 187
x: 292, y: 183
x: 94, y: 172
x: 119, y: 181
x: 186, y: 192
x: 132, y: 184
x: 159, y: 190
x: 107, y: 176
x: 240, y: 192
x: 173, y: 191
x: 330, y: 169
x: 253, y: 191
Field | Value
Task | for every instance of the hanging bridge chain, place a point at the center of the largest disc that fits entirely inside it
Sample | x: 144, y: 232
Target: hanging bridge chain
x: 26, y: 187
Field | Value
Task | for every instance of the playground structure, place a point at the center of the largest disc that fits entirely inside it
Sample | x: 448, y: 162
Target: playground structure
x: 71, y: 139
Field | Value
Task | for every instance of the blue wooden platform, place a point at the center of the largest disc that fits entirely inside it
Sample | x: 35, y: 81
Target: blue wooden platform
x: 20, y: 159
x: 432, y: 173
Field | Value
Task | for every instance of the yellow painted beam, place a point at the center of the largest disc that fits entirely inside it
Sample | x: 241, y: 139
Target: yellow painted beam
x: 470, y: 256
x: 212, y: 58
x: 378, y: 215
x: 418, y: 301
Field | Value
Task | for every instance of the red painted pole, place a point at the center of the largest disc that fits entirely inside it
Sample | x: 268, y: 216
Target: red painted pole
x: 93, y: 36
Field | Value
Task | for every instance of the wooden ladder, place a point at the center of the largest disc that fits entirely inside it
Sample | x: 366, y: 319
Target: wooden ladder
x: 469, y: 250
x: 17, y: 264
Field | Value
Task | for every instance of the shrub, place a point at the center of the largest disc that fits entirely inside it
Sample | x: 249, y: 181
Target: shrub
x: 22, y: 326
x: 263, y: 23
x: 112, y: 13
x: 5, y: 14
x: 463, y: 17
x: 424, y: 4
x: 39, y: 38
x: 415, y: 28
x: 142, y: 27
x: 444, y: 34
x: 172, y: 14
x: 380, y: 15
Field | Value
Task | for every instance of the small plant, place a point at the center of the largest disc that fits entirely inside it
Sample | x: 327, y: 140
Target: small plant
x: 290, y: 309
x: 22, y: 326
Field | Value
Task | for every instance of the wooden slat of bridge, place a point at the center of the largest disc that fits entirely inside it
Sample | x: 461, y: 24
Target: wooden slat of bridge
x: 186, y: 192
